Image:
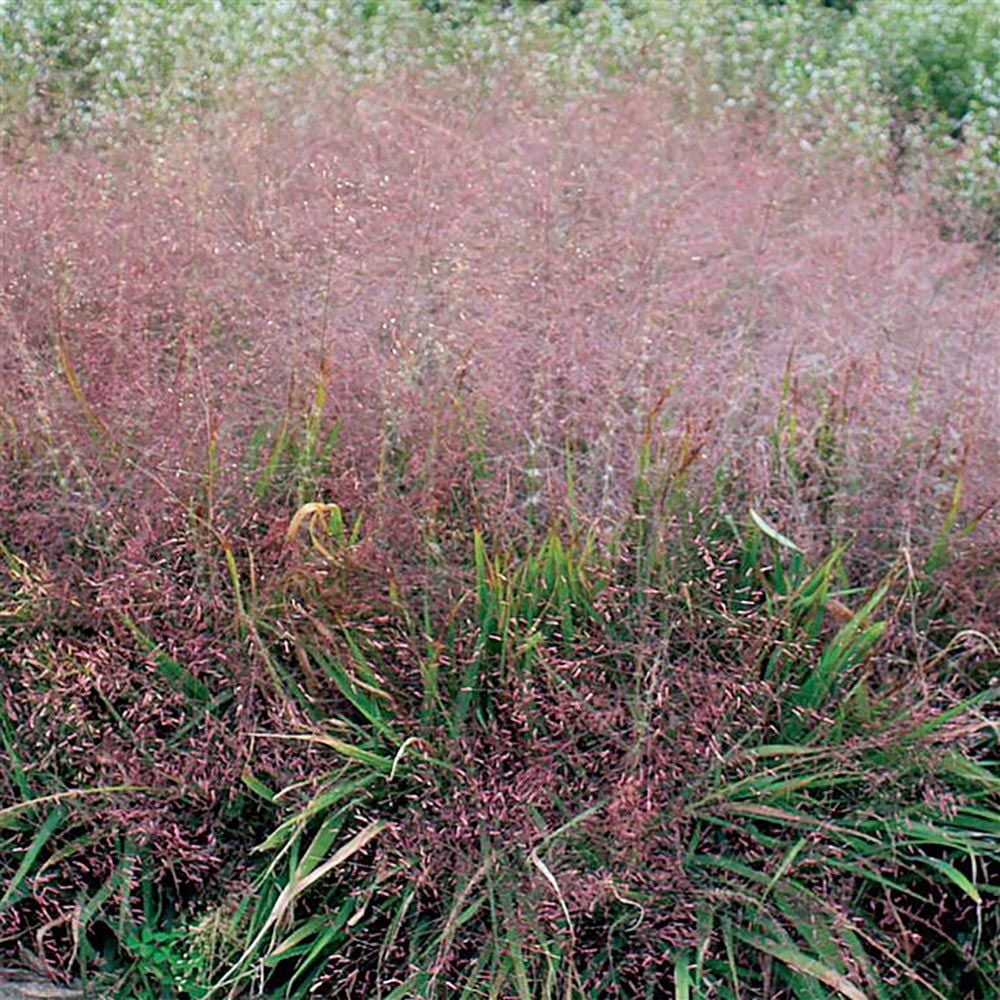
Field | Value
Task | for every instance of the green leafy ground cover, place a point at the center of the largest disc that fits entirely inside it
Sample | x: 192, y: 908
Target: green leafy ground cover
x: 499, y: 501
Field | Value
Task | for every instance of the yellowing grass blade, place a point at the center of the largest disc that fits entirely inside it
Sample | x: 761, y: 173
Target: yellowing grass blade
x: 551, y: 879
x: 309, y: 510
x: 348, y: 750
x: 10, y: 813
x: 295, y: 887
x: 355, y: 844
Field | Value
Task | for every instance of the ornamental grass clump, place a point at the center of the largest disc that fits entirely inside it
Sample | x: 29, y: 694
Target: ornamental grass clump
x: 528, y: 547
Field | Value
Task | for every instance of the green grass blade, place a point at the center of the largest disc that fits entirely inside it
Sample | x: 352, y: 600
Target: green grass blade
x: 799, y: 961
x: 45, y: 832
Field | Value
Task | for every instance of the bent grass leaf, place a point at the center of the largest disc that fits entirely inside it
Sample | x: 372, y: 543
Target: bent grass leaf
x: 955, y: 876
x: 10, y: 814
x: 801, y: 962
x: 306, y: 874
x: 462, y: 910
x: 257, y: 786
x: 347, y: 750
x: 962, y: 708
x: 551, y: 879
x: 341, y: 791
x: 45, y: 832
x: 174, y: 672
x: 772, y: 532
x: 311, y: 511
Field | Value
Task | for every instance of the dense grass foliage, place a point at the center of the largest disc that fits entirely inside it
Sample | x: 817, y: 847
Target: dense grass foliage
x: 514, y: 524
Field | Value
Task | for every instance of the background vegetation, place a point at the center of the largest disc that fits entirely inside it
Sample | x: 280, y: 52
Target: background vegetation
x: 499, y: 500
x: 913, y: 77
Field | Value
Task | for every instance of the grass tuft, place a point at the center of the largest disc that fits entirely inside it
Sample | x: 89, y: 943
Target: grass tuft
x: 484, y: 530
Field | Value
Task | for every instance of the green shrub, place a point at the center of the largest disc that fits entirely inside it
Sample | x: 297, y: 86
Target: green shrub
x: 945, y: 69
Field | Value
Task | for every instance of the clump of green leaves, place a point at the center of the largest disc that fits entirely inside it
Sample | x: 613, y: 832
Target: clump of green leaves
x: 839, y: 808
